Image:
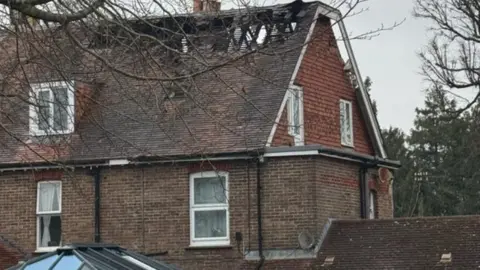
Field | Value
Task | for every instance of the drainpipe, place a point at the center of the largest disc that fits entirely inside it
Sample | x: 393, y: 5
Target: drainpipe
x: 259, y: 216
x: 96, y: 179
x: 363, y: 188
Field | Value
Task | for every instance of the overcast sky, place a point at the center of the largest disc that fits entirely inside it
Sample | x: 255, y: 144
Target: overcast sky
x: 391, y: 59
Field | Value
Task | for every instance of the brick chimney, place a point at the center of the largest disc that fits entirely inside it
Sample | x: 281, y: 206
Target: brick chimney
x: 206, y: 5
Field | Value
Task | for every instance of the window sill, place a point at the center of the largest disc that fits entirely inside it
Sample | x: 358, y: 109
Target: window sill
x: 209, y: 247
x: 46, y: 249
x: 348, y: 145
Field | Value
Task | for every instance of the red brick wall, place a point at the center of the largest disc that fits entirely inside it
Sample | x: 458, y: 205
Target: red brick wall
x: 147, y: 208
x: 8, y: 257
x: 324, y: 83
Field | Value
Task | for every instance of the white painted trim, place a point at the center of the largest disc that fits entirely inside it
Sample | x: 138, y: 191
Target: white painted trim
x: 45, y: 249
x: 113, y: 162
x: 294, y: 75
x: 292, y: 153
x: 47, y: 86
x: 342, y: 158
x: 212, y: 241
x: 368, y: 105
x: 330, y: 12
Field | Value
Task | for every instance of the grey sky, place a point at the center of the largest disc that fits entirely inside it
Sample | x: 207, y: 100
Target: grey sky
x: 391, y: 59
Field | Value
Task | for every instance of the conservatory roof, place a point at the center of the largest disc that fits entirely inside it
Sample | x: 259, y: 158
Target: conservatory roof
x: 92, y: 257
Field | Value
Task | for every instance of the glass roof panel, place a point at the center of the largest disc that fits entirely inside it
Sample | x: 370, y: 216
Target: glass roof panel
x: 42, y: 264
x: 68, y: 262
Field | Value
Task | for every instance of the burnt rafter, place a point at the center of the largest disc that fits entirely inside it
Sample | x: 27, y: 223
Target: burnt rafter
x: 227, y: 31
x: 249, y: 32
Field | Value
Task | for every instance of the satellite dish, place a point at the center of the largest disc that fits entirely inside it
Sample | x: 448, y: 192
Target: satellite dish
x: 384, y: 175
x: 305, y: 240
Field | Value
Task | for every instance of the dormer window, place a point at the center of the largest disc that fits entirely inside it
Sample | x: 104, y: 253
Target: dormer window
x: 52, y: 108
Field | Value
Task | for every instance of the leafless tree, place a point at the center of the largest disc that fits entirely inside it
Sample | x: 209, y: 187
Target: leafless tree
x: 451, y: 60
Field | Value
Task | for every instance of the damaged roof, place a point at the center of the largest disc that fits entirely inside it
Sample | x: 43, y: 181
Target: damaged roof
x: 227, y: 109
x: 403, y: 243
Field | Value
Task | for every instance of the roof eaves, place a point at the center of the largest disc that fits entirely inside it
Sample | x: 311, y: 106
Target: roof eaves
x: 332, y: 151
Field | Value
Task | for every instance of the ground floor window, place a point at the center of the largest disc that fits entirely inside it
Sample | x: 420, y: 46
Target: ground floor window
x: 209, y: 209
x: 49, y: 209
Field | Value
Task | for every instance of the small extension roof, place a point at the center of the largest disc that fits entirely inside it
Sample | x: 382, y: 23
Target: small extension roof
x: 449, y: 242
x: 93, y: 257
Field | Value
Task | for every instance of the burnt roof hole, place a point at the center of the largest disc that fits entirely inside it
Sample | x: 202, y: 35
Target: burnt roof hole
x: 262, y: 35
x: 291, y: 27
x: 237, y: 34
x: 184, y: 45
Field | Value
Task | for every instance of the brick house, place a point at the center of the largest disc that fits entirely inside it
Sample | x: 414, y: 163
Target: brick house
x: 239, y: 167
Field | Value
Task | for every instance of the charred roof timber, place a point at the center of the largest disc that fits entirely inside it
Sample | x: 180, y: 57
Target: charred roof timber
x: 237, y: 28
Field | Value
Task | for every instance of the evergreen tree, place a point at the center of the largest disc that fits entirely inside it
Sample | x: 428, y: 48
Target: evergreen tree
x: 395, y: 144
x: 438, y: 142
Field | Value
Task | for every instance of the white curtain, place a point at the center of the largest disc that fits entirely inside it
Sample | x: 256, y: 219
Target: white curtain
x: 48, y: 202
x: 46, y: 231
x: 48, y: 198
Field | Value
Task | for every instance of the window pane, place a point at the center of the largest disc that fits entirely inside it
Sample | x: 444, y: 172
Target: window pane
x: 372, y: 206
x: 68, y: 262
x: 211, y: 223
x: 50, y: 230
x: 49, y: 197
x: 209, y: 190
x: 348, y: 123
x: 60, y: 108
x: 296, y: 113
x: 43, y: 110
x: 42, y: 264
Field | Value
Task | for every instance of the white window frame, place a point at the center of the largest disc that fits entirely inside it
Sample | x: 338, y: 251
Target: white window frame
x: 47, y: 86
x: 208, y: 241
x: 343, y: 131
x: 298, y: 136
x: 59, y: 212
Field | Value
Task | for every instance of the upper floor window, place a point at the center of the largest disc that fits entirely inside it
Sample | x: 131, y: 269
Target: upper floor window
x: 49, y: 209
x: 346, y: 128
x: 209, y: 222
x: 295, y: 114
x: 52, y: 108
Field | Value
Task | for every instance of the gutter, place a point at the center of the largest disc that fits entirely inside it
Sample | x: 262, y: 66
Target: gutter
x: 122, y: 161
x: 363, y: 191
x: 340, y: 153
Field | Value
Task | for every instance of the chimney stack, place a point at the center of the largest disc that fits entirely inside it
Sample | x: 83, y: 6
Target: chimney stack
x: 206, y: 5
